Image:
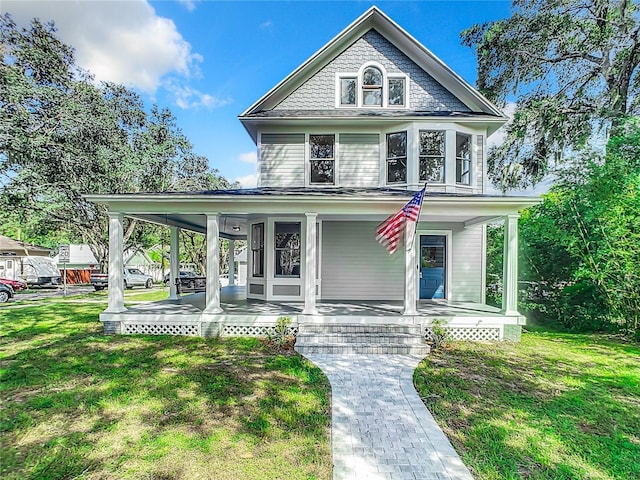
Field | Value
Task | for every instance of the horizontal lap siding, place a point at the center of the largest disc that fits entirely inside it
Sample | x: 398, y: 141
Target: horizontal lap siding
x: 467, y: 264
x: 356, y: 267
x: 359, y: 160
x: 282, y: 160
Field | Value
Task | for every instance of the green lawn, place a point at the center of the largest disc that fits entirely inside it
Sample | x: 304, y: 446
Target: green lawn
x: 77, y: 404
x: 556, y: 406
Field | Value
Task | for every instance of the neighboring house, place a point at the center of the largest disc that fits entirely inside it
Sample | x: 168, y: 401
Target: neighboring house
x: 30, y: 263
x: 343, y: 142
x: 81, y: 263
x: 137, y: 257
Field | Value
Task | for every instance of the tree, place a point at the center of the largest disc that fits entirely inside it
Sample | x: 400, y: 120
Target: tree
x: 63, y: 136
x: 573, y: 67
x: 581, y: 247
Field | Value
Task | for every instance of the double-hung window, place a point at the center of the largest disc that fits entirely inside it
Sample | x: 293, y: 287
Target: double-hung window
x: 257, y: 249
x: 397, y: 157
x: 432, y: 156
x: 371, y: 87
x: 463, y: 159
x: 322, y: 157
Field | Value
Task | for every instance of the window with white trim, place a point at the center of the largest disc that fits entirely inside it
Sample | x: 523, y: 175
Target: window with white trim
x: 287, y: 249
x: 322, y: 158
x: 372, y: 87
x: 397, y: 157
x: 463, y: 159
x: 432, y: 156
x: 257, y: 249
x: 348, y: 91
x: 396, y: 92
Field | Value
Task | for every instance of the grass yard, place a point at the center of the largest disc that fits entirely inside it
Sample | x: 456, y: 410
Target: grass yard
x: 80, y: 405
x: 556, y: 406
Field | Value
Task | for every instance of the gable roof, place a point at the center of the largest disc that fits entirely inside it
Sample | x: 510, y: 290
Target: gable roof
x: 375, y: 19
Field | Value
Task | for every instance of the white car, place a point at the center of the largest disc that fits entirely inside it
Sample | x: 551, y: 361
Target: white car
x: 134, y: 277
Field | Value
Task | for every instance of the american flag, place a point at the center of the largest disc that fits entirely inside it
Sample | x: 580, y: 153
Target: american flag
x: 390, y: 231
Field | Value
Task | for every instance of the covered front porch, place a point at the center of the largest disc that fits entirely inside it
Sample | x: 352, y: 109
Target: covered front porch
x: 313, y: 258
x: 249, y: 317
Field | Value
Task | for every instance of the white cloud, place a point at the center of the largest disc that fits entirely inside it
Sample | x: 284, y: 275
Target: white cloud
x: 123, y: 42
x: 266, y: 25
x: 190, y: 5
x: 249, y: 157
x: 497, y: 138
x: 188, y: 98
x: 248, y: 181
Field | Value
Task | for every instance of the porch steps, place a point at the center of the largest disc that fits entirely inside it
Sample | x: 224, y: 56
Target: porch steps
x: 344, y: 338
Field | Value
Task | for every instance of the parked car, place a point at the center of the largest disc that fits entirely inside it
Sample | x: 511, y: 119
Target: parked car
x: 133, y: 277
x: 6, y: 292
x: 183, y: 274
x: 17, y: 285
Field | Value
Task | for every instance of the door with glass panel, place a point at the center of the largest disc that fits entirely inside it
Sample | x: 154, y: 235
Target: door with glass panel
x: 433, y: 266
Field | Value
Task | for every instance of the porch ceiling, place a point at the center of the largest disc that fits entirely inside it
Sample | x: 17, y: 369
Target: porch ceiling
x: 236, y: 207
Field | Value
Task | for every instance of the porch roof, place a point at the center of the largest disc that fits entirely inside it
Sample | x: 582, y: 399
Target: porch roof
x: 236, y: 207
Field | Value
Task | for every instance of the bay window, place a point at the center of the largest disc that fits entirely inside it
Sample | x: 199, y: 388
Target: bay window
x: 463, y: 159
x: 432, y: 156
x: 397, y: 157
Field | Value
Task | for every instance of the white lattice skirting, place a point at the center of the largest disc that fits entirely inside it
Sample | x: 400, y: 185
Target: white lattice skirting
x: 160, y: 329
x: 467, y: 333
x: 253, y: 330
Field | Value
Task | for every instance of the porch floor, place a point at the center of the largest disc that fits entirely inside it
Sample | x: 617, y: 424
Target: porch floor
x: 233, y: 301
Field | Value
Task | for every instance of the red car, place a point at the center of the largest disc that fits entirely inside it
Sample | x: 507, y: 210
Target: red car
x: 15, y: 284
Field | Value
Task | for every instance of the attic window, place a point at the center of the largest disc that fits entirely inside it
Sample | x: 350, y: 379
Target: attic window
x: 372, y: 87
x: 348, y: 90
x: 396, y: 92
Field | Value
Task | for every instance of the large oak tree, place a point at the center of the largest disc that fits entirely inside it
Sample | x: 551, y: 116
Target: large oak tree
x: 572, y: 67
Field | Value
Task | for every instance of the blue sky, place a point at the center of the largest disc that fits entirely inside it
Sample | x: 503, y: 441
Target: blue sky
x: 210, y: 60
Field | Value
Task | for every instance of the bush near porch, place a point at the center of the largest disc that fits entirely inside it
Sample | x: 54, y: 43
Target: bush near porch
x: 78, y: 404
x: 555, y: 406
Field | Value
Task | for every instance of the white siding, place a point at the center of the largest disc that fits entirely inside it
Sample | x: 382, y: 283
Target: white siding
x: 282, y: 160
x: 356, y: 267
x: 359, y: 160
x: 466, y: 278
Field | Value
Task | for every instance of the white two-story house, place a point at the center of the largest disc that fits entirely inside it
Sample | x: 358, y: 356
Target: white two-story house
x: 343, y: 142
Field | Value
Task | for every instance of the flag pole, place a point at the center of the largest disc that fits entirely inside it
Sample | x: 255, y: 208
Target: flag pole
x: 415, y: 231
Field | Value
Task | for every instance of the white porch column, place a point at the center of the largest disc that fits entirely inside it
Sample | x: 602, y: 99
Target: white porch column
x: 510, y: 266
x: 212, y: 304
x: 174, y: 262
x: 232, y: 262
x: 311, y: 255
x: 116, y: 264
x: 410, y: 272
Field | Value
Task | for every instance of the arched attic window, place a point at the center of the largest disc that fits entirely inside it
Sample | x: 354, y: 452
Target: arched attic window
x: 372, y: 87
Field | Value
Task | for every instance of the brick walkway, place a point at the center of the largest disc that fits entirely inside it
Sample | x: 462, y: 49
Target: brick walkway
x: 381, y: 430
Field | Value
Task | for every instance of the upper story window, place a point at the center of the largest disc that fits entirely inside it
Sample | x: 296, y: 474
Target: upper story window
x: 397, y: 157
x: 463, y: 159
x: 372, y: 87
x: 348, y: 90
x: 432, y: 156
x: 322, y: 156
x: 396, y: 92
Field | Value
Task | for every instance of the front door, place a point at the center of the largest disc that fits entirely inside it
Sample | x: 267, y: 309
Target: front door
x: 432, y: 265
